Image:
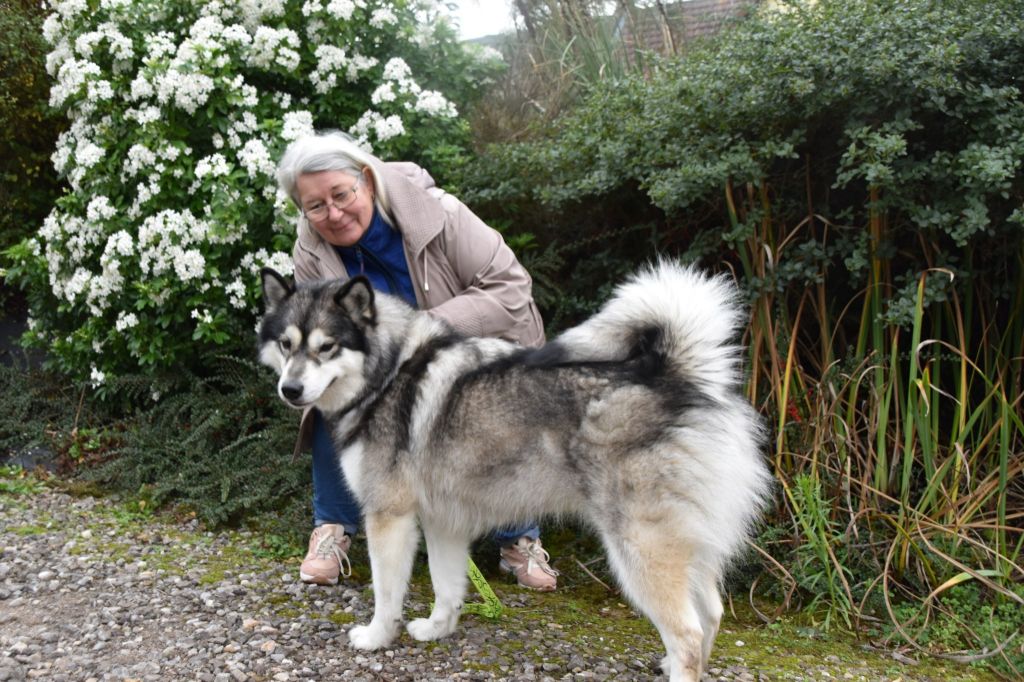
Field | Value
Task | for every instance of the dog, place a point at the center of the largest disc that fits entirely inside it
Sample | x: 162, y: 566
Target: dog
x: 633, y: 421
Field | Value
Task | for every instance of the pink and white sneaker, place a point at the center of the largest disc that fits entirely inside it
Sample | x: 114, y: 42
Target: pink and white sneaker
x: 528, y: 562
x: 327, y: 557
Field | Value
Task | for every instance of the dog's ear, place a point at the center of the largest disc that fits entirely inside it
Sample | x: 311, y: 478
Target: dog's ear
x: 355, y: 297
x: 275, y: 287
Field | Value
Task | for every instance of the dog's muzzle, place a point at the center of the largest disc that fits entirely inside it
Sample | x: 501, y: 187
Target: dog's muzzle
x: 292, y: 391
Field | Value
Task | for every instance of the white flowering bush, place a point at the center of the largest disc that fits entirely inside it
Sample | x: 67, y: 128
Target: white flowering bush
x: 178, y: 111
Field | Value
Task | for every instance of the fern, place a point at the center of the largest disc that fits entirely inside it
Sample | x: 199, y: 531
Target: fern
x: 36, y: 407
x: 224, y: 447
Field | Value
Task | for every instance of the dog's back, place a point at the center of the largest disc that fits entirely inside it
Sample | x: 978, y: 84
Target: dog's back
x: 643, y: 396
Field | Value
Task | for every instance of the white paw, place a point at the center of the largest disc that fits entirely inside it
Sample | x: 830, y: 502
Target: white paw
x: 368, y: 637
x: 426, y: 629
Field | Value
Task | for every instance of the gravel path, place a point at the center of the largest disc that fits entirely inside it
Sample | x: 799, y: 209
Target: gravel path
x: 89, y: 591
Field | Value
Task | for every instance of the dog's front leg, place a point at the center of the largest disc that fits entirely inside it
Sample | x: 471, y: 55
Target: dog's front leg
x: 391, y: 541
x: 447, y: 554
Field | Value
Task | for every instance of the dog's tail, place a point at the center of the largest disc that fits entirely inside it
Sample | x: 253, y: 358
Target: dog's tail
x: 685, y: 320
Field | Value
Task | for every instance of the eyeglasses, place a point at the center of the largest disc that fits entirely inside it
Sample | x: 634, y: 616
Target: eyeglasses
x: 340, y: 200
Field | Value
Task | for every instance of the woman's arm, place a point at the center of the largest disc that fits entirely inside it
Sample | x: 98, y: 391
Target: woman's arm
x: 496, y: 299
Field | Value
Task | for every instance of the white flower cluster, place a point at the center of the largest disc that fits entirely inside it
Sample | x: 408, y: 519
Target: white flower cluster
x: 214, y: 164
x: 120, y: 46
x: 99, y: 209
x: 341, y: 9
x: 398, y: 87
x: 252, y: 263
x: 433, y: 103
x: 125, y: 321
x: 140, y: 157
x: 71, y: 243
x: 333, y: 61
x: 169, y: 241
x: 397, y: 70
x: 383, y: 17
x: 88, y: 153
x: 119, y: 244
x: 71, y: 76
x: 203, y: 315
x: 252, y: 12
x: 271, y: 46
x: 80, y: 240
x: 69, y: 9
x: 247, y: 274
x: 236, y: 293
x: 297, y: 124
x: 385, y: 92
x: 383, y: 128
x: 188, y: 91
x: 255, y: 159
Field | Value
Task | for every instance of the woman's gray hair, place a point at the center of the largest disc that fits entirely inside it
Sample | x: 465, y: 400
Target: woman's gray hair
x: 329, y: 151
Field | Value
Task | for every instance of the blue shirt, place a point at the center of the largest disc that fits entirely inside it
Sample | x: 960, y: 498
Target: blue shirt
x: 380, y: 256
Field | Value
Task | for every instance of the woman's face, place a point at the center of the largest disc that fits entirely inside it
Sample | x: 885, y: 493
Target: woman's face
x: 322, y: 191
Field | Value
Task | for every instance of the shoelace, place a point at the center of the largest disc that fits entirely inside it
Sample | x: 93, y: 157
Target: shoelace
x: 326, y: 547
x: 537, y: 556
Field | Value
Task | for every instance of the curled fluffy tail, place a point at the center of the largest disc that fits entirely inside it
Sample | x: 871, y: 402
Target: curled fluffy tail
x: 677, y: 312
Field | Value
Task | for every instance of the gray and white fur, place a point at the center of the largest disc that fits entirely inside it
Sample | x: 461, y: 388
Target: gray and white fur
x: 633, y: 421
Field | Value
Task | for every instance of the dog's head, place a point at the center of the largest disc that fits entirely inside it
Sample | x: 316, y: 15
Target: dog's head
x: 315, y: 338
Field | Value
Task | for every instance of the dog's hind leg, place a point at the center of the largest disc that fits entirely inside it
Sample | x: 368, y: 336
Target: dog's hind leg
x: 447, y: 555
x: 709, y: 606
x: 655, y: 572
x: 391, y: 541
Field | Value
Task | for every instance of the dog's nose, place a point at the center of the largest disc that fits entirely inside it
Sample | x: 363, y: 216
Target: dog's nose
x: 291, y: 390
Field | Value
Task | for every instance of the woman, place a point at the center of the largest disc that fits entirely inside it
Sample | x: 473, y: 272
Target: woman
x: 389, y: 222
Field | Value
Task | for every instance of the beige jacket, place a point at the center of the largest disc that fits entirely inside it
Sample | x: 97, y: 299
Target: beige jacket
x: 462, y: 270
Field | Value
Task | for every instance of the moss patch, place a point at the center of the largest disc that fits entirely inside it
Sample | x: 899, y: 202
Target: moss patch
x: 27, y: 530
x: 341, y: 618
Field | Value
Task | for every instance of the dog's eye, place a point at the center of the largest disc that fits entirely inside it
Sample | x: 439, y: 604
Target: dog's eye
x: 286, y: 344
x: 327, y: 347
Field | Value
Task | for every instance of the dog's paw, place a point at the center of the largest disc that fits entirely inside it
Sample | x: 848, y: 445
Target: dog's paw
x: 427, y: 629
x: 369, y: 637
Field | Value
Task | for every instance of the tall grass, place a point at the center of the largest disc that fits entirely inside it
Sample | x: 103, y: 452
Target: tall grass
x: 900, y: 451
x: 551, y: 65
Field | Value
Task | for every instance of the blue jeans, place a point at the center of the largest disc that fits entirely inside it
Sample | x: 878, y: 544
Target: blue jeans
x: 333, y: 502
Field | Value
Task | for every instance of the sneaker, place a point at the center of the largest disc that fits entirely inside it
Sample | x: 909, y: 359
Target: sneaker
x: 528, y: 562
x: 327, y: 557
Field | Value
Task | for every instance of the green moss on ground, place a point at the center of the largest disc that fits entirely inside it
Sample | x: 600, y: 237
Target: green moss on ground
x: 28, y: 530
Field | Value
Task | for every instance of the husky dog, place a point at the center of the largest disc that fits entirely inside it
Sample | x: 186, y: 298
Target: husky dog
x: 632, y: 421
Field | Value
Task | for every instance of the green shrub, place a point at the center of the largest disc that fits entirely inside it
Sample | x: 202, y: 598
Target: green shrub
x: 829, y: 111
